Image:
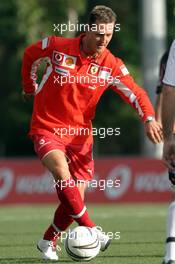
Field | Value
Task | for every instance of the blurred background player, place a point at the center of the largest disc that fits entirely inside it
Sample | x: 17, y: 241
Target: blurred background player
x: 168, y: 112
x: 60, y: 105
x: 165, y: 101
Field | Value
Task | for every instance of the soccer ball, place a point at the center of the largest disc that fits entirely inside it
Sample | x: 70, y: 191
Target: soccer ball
x: 82, y: 244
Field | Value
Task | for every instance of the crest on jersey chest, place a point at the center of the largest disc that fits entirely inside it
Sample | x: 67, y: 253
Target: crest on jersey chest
x: 93, y: 69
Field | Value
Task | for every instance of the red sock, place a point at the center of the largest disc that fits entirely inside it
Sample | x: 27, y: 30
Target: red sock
x: 70, y: 197
x: 60, y: 223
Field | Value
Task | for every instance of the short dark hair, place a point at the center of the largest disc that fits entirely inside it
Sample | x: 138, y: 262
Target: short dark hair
x: 102, y: 14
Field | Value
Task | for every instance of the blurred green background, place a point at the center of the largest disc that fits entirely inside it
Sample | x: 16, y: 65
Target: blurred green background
x: 23, y: 22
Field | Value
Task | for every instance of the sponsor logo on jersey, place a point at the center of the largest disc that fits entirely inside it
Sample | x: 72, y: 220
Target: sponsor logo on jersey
x: 58, y: 57
x: 62, y: 71
x: 64, y: 59
x: 104, y: 73
x: 99, y: 71
x: 69, y: 61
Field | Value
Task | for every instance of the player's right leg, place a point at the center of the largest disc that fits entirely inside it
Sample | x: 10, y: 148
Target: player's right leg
x: 60, y: 223
x: 52, y: 154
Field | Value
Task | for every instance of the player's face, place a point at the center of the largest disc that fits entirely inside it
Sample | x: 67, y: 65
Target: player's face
x: 99, y: 36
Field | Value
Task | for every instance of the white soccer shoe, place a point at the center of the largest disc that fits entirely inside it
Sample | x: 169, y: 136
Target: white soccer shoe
x: 47, y: 249
x: 104, y: 239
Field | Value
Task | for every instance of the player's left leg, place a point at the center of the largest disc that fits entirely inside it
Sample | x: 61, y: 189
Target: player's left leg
x: 170, y: 228
x: 170, y: 241
x: 82, y: 168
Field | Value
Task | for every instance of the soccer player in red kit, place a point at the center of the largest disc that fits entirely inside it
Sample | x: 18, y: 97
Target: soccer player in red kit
x: 78, y: 71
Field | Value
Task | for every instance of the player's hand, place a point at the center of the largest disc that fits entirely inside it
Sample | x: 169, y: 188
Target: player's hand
x: 169, y: 153
x: 153, y: 131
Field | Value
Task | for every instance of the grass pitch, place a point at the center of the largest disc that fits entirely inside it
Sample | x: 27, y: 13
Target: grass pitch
x: 141, y: 227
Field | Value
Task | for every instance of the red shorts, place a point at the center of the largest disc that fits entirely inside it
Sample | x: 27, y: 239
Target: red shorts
x: 80, y: 158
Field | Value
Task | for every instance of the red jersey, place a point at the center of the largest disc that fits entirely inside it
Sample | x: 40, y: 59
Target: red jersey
x: 72, y: 86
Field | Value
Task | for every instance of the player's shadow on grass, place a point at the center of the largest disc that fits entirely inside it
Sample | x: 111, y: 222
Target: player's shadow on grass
x: 17, y: 245
x: 136, y: 243
x: 20, y: 260
x: 29, y: 260
x: 131, y: 256
x: 140, y: 231
x: 17, y: 234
